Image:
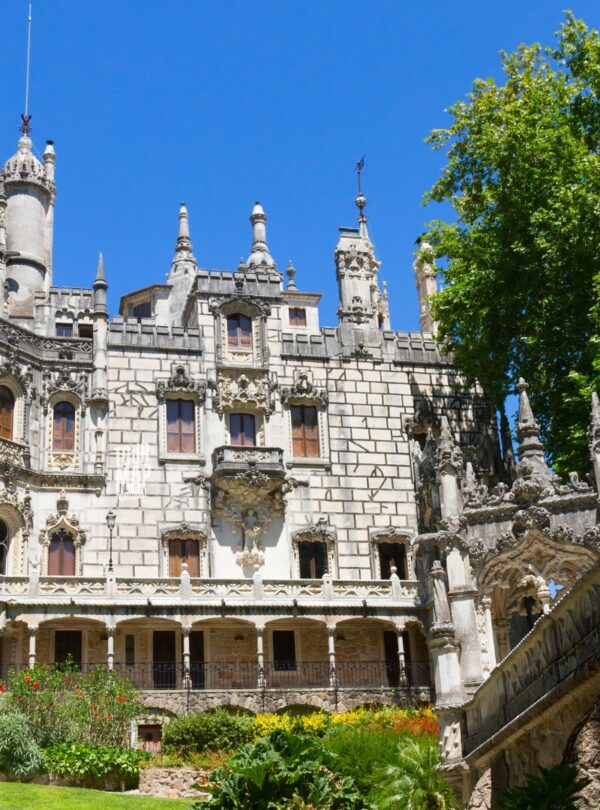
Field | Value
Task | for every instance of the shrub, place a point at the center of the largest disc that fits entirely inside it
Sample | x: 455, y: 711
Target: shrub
x: 94, y: 761
x: 555, y: 788
x: 63, y: 705
x: 19, y: 754
x: 414, y: 781
x: 217, y: 730
x: 281, y: 770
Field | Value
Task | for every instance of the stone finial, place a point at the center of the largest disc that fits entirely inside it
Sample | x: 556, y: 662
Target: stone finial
x: 290, y: 272
x: 100, y: 287
x: 425, y: 280
x: 49, y: 158
x: 448, y: 452
x: 528, y: 433
x: 259, y: 257
x: 184, y: 243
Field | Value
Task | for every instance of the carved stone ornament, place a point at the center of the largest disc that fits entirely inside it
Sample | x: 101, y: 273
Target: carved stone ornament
x: 358, y: 260
x: 216, y: 304
x: 62, y: 519
x: 10, y: 497
x: 536, y: 517
x: 305, y: 390
x: 41, y: 346
x: 185, y: 531
x: 591, y: 538
x: 249, y: 500
x: 529, y: 486
x: 315, y: 531
x: 23, y: 375
x: 180, y: 382
x: 65, y: 380
x: 448, y: 455
x: 251, y: 388
x: 361, y: 353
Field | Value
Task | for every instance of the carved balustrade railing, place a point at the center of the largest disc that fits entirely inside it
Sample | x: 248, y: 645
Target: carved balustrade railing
x: 562, y: 646
x: 14, y: 453
x: 260, y: 456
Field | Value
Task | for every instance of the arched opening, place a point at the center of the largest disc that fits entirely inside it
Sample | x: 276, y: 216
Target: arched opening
x: 7, y: 411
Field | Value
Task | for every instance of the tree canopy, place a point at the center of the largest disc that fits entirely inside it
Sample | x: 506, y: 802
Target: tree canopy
x: 520, y: 260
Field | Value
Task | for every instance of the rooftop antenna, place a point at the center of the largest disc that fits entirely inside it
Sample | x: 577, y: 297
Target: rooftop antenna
x: 361, y: 200
x: 26, y: 118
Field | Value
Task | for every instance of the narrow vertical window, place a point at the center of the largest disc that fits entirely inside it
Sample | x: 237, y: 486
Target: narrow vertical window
x: 284, y: 650
x: 7, y: 410
x: 297, y: 316
x: 184, y: 551
x: 242, y: 428
x: 392, y: 555
x: 3, y: 547
x: 305, y: 431
x: 129, y: 650
x: 239, y: 331
x: 313, y: 559
x: 61, y: 555
x: 181, y: 426
x: 63, y: 428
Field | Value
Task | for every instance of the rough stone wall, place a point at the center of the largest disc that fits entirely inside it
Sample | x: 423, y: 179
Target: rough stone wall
x: 173, y: 783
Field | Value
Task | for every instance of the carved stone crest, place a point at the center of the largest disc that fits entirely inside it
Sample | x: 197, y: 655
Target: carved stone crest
x: 180, y: 381
x: 304, y: 389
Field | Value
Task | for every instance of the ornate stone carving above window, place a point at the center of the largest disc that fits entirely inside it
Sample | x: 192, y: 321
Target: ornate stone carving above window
x: 179, y: 382
x: 21, y: 374
x: 304, y: 390
x: 66, y: 379
x: 185, y: 531
x: 63, y: 520
x: 252, y: 388
x: 383, y: 539
x: 17, y: 514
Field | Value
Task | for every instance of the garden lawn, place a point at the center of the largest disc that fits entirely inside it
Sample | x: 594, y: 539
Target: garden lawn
x: 17, y: 796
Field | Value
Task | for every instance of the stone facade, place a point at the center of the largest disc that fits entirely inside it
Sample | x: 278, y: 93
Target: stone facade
x: 229, y: 503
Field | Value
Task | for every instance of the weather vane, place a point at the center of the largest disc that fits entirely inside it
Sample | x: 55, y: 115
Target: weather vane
x: 25, y: 117
x: 361, y: 200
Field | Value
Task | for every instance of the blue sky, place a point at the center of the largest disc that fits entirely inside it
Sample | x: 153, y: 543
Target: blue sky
x: 151, y: 102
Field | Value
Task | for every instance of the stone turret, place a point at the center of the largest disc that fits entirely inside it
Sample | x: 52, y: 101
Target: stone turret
x: 183, y: 267
x: 361, y: 301
x: 30, y: 192
x: 424, y: 268
x: 530, y: 447
x: 259, y: 258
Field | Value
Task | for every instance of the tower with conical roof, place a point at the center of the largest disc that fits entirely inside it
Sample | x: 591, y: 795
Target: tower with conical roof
x: 29, y: 193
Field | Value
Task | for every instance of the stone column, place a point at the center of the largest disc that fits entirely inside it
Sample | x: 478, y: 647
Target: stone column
x: 110, y: 647
x: 543, y: 593
x: 489, y: 630
x: 462, y: 598
x: 404, y: 680
x: 32, y: 643
x: 331, y: 653
x: 260, y: 655
x: 442, y: 644
x: 502, y: 634
x: 185, y: 636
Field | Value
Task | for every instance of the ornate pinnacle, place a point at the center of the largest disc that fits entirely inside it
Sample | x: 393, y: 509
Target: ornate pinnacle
x: 290, y: 273
x: 448, y: 452
x: 528, y: 433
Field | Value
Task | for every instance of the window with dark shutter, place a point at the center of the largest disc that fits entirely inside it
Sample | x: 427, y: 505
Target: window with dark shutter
x: 239, y: 331
x: 242, y: 429
x: 392, y: 555
x: 64, y: 330
x: 63, y: 427
x: 305, y: 431
x: 284, y: 650
x: 4, y: 537
x: 297, y: 316
x: 184, y: 551
x: 181, y: 426
x: 7, y: 410
x: 129, y: 650
x: 313, y: 559
x: 61, y: 555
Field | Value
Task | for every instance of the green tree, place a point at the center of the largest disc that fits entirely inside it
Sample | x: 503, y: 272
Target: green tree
x: 520, y: 262
x: 555, y: 788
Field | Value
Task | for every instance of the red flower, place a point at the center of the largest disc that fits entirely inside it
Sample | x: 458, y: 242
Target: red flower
x: 119, y: 699
x: 27, y: 679
x: 66, y: 678
x: 36, y: 686
x: 2, y: 688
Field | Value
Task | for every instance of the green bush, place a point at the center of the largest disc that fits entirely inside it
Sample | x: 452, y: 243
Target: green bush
x: 19, y: 754
x: 63, y: 705
x: 94, y: 761
x: 217, y: 730
x: 281, y: 770
x: 555, y: 788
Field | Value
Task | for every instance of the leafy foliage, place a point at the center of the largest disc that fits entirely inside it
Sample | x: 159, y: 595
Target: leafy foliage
x: 63, y: 705
x: 555, y: 788
x: 413, y: 782
x: 521, y: 292
x: 217, y: 730
x: 19, y: 754
x: 281, y: 770
x: 94, y: 761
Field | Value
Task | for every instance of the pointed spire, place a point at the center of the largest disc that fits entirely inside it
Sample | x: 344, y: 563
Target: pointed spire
x: 448, y: 453
x: 184, y: 243
x: 100, y: 287
x: 528, y: 433
x: 100, y: 269
x: 259, y: 257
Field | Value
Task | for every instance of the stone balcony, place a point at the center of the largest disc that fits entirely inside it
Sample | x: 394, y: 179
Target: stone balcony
x: 251, y: 462
x: 15, y: 454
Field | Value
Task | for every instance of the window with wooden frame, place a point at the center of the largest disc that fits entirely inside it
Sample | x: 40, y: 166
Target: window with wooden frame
x: 239, y: 331
x: 63, y: 427
x: 284, y: 650
x: 305, y: 431
x: 64, y: 330
x: 392, y: 555
x: 242, y: 429
x: 4, y: 540
x: 312, y: 556
x: 61, y: 554
x: 297, y: 316
x: 184, y: 550
x: 7, y: 412
x: 181, y: 426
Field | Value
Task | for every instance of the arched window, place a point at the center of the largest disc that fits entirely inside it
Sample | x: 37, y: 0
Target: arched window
x: 63, y: 428
x: 61, y: 555
x: 4, y: 538
x: 7, y: 410
x: 239, y: 331
x: 184, y: 551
